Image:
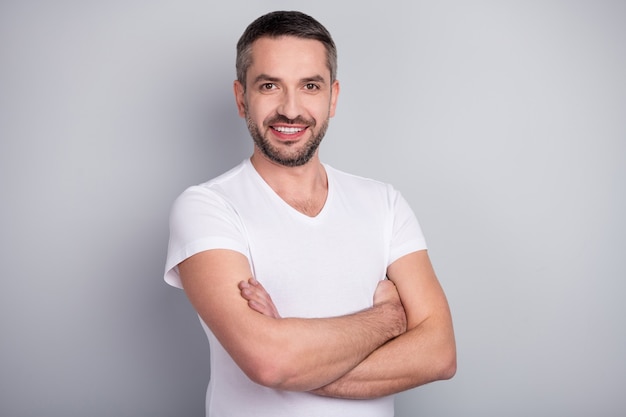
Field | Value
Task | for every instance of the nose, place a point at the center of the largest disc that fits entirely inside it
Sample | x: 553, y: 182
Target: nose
x: 290, y: 105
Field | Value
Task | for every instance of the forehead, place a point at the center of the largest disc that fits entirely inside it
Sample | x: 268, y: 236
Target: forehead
x: 288, y: 56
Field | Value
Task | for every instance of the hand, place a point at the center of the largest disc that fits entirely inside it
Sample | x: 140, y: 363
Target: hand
x: 258, y: 298
x: 386, y: 291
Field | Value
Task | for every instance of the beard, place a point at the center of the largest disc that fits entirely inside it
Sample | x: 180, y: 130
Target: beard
x: 289, y: 158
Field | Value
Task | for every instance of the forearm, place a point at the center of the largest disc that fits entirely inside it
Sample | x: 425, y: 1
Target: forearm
x: 290, y: 353
x: 423, y: 354
x: 309, y: 353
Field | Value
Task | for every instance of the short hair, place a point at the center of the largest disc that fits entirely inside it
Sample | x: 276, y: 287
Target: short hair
x: 283, y: 23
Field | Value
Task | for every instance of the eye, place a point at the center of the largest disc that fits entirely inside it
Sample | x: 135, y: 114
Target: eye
x: 311, y: 87
x: 268, y: 86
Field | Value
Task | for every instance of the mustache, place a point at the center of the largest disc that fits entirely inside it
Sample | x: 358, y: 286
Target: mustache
x: 279, y: 118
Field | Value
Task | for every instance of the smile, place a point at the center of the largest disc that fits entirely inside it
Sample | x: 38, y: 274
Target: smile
x: 288, y: 130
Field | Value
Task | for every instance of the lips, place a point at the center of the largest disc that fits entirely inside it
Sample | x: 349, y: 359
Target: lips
x: 288, y: 133
x: 288, y: 130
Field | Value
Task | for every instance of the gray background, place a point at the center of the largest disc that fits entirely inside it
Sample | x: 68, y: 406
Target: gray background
x: 502, y: 123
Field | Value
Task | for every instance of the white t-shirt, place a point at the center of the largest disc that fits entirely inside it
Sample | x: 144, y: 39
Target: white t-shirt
x: 321, y: 266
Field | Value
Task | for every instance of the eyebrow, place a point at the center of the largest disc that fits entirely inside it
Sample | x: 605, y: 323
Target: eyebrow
x: 268, y: 78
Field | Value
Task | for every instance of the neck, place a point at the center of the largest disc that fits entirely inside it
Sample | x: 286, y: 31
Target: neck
x: 304, y: 187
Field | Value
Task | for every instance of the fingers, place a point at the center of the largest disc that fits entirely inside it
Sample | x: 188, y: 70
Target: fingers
x: 386, y: 291
x: 258, y: 298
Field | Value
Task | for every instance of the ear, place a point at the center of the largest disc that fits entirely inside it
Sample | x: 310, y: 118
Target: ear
x: 240, y: 98
x: 334, y: 95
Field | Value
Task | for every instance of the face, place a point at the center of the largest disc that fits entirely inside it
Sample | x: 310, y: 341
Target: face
x: 288, y: 100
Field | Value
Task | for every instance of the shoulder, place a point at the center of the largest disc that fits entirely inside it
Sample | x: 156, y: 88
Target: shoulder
x: 226, y: 180
x: 214, y: 193
x: 216, y: 187
x: 353, y: 179
x: 357, y: 184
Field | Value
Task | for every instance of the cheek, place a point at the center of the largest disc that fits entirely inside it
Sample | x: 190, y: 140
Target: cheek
x: 324, y: 112
x: 260, y: 110
x: 319, y: 106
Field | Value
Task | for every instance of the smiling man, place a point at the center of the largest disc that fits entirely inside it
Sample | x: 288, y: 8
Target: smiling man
x: 279, y: 106
x: 314, y: 286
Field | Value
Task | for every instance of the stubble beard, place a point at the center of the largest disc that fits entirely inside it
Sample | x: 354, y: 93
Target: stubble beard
x: 288, y: 159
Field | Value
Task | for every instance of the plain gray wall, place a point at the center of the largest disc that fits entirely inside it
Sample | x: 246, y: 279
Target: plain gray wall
x: 502, y: 122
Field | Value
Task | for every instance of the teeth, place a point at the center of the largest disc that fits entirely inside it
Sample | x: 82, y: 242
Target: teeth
x: 288, y: 130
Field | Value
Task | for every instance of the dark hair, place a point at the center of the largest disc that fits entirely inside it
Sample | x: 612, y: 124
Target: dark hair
x: 283, y: 23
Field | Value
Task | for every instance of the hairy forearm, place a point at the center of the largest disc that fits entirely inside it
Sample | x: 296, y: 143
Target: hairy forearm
x: 283, y: 353
x: 310, y: 353
x: 423, y: 354
x: 304, y: 354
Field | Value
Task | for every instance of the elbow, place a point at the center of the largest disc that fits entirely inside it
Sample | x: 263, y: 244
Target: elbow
x: 272, y: 373
x: 273, y: 363
x: 446, y: 368
x: 265, y: 375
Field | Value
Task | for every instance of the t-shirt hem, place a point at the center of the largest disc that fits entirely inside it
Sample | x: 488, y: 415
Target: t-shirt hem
x: 408, y: 247
x: 172, y: 277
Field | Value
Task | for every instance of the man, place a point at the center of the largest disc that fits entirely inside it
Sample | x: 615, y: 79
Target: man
x: 285, y: 258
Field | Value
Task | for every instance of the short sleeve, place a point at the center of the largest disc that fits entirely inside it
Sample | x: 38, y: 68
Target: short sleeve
x: 200, y: 220
x: 407, y: 236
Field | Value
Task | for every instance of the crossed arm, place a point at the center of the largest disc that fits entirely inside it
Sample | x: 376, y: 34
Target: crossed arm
x: 403, y: 341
